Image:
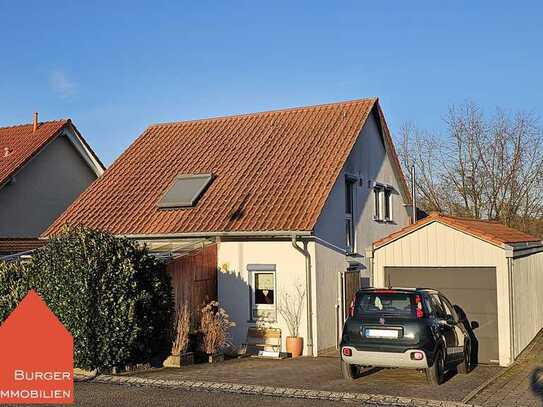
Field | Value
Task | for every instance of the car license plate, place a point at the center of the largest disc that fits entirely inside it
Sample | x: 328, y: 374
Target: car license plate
x: 381, y: 333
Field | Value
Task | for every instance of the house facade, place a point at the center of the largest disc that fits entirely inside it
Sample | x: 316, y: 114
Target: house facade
x: 291, y: 199
x: 43, y: 169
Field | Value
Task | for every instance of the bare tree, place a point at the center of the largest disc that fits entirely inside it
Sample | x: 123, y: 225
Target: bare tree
x: 482, y: 167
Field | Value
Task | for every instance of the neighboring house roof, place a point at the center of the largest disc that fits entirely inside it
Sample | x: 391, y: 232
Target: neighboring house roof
x: 490, y: 231
x: 19, y: 144
x: 19, y: 245
x: 273, y: 171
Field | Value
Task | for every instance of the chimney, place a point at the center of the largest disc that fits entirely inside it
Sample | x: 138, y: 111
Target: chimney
x: 36, y: 124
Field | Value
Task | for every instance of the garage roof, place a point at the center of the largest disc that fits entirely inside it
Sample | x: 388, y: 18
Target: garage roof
x: 272, y: 171
x: 490, y: 231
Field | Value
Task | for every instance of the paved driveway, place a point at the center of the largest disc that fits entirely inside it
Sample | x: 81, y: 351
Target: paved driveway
x: 521, y: 384
x: 323, y: 374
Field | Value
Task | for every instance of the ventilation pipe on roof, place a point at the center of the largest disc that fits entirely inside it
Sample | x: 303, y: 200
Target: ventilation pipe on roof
x: 414, y: 194
x: 35, y: 127
x: 308, y: 297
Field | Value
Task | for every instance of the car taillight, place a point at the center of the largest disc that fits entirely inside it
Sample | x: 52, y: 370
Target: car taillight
x: 351, y: 309
x: 347, y: 352
x: 417, y: 355
x: 420, y: 311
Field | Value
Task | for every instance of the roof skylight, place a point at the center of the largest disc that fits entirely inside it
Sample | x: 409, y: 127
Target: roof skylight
x: 185, y: 191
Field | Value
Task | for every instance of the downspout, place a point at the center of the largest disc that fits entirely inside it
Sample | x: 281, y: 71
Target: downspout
x: 309, y: 297
x: 511, y: 308
x: 369, y: 256
x: 509, y: 256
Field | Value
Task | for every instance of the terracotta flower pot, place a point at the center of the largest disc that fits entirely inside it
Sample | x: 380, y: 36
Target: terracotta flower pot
x: 295, y: 346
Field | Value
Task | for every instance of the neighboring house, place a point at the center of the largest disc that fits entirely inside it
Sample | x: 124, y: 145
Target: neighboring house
x: 43, y: 169
x: 494, y: 273
x: 288, y: 199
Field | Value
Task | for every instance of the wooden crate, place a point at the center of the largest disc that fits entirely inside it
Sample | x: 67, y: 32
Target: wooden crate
x: 268, y: 339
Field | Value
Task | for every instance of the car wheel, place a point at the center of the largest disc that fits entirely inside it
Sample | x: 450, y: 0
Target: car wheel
x: 465, y: 366
x: 436, y: 372
x: 350, y: 372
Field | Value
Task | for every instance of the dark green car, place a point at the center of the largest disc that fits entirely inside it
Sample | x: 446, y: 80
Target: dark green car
x: 405, y: 327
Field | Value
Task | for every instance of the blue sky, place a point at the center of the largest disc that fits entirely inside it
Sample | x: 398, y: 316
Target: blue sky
x: 116, y: 67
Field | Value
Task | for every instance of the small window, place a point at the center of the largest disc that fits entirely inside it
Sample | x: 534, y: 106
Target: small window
x: 388, y: 204
x: 349, y: 214
x: 382, y: 196
x: 185, y: 191
x: 377, y: 200
x: 264, y: 296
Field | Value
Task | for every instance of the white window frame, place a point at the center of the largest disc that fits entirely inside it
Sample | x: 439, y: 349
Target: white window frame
x: 380, y: 192
x: 253, y: 270
x: 349, y: 217
x: 390, y: 216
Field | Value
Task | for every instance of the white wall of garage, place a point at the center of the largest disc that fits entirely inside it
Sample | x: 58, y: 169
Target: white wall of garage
x: 528, y: 299
x: 437, y: 245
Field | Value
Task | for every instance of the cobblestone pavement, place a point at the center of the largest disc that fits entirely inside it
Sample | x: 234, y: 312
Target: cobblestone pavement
x: 245, y: 392
x: 521, y: 384
x: 97, y: 395
x: 323, y: 374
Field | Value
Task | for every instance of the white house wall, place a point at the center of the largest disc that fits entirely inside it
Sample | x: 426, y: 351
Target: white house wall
x: 369, y: 161
x: 527, y: 299
x: 436, y: 245
x: 233, y: 281
x: 326, y: 289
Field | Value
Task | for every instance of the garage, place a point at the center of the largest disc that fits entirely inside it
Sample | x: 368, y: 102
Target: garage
x: 492, y: 272
x: 472, y: 287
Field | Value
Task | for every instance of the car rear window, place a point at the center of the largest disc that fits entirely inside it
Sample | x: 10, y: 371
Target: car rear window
x: 386, y: 303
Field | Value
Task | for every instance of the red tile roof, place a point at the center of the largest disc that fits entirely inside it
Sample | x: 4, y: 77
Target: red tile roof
x: 19, y: 245
x: 273, y: 172
x: 489, y: 231
x: 18, y: 144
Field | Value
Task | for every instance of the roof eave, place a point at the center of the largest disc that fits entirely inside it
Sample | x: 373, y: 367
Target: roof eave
x: 513, y: 248
x: 519, y: 249
x: 262, y: 234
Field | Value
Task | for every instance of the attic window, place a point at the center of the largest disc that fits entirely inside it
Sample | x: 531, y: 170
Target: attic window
x: 185, y: 191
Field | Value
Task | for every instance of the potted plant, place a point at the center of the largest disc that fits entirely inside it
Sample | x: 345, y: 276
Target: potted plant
x: 180, y: 356
x: 215, y: 326
x: 290, y: 309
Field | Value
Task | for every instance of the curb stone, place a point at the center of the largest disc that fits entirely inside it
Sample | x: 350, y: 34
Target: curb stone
x: 279, y: 392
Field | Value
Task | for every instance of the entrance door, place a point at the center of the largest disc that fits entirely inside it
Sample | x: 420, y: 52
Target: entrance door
x: 348, y: 286
x: 351, y: 284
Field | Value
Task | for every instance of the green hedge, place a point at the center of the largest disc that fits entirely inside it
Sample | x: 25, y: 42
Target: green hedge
x: 14, y: 285
x: 114, y: 298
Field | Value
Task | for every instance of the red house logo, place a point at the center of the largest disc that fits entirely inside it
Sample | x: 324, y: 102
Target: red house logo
x: 36, y: 356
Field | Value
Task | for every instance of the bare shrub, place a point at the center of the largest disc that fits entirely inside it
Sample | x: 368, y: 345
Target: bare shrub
x: 215, y: 326
x: 290, y: 309
x: 182, y: 328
